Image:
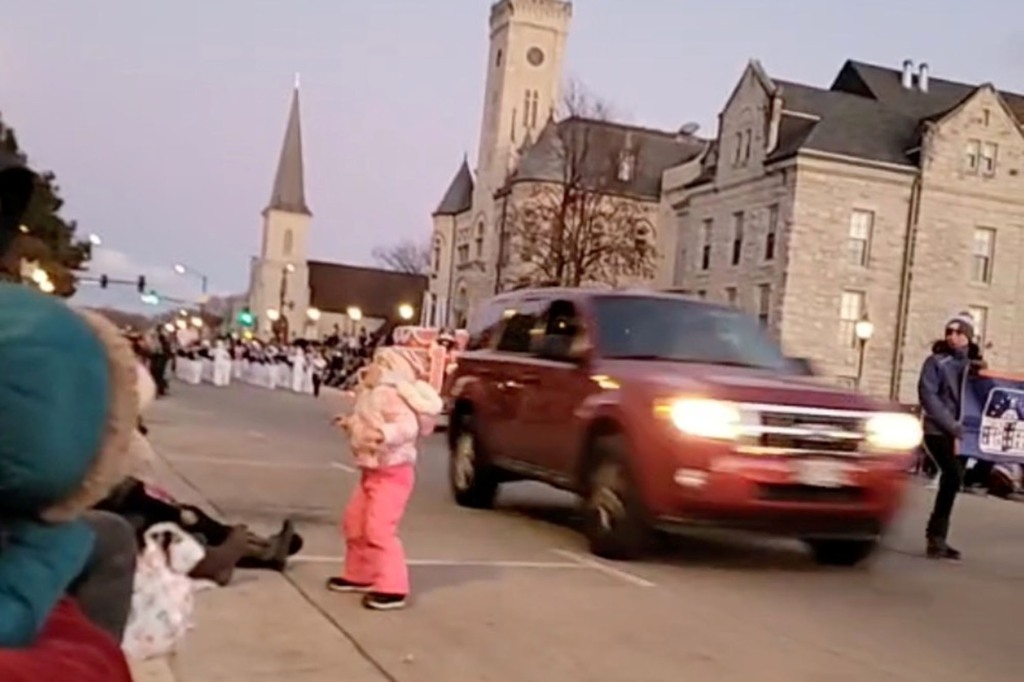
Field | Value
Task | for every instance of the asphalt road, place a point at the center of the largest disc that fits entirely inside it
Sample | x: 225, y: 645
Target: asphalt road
x: 512, y: 594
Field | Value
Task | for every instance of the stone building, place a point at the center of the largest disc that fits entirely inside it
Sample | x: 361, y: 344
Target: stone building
x: 290, y: 295
x: 522, y: 148
x: 891, y: 196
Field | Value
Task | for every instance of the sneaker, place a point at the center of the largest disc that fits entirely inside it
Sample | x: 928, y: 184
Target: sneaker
x: 380, y: 601
x: 342, y: 585
x: 940, y: 550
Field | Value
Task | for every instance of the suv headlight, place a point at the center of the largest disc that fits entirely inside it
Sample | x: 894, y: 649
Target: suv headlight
x: 703, y: 418
x: 893, y: 431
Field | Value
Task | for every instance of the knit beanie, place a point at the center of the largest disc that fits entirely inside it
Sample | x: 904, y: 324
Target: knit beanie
x: 963, y: 321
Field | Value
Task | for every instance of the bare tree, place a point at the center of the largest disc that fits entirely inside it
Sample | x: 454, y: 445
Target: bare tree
x: 407, y: 256
x: 580, y: 225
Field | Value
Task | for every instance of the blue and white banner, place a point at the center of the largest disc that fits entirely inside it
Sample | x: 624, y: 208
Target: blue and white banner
x: 992, y: 415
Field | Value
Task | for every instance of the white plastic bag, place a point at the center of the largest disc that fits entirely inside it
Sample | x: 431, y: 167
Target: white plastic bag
x: 162, y: 600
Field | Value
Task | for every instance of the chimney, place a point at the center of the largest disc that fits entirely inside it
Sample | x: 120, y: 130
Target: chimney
x: 922, y: 77
x: 908, y: 74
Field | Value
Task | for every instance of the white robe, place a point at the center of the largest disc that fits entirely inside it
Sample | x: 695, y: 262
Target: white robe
x: 221, y: 367
x: 298, y: 381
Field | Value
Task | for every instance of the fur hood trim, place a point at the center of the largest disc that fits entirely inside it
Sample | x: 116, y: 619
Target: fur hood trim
x: 421, y: 397
x: 114, y: 460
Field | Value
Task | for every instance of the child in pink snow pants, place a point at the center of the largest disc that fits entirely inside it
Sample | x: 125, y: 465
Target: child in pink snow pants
x: 393, y: 410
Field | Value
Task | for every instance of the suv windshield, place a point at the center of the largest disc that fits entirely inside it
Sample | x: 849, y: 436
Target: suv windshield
x: 681, y: 330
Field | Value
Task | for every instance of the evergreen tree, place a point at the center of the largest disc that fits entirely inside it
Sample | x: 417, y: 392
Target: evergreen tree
x: 47, y: 237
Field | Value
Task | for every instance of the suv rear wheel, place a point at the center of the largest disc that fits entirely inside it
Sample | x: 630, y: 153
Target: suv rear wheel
x: 842, y: 552
x: 474, y: 482
x: 614, y: 519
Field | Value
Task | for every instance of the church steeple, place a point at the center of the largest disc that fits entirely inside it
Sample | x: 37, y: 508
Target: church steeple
x: 289, y: 193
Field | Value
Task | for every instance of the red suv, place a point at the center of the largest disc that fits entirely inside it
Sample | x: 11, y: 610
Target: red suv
x: 661, y: 411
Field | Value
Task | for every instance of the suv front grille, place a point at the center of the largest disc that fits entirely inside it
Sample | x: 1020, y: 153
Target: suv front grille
x: 808, y: 430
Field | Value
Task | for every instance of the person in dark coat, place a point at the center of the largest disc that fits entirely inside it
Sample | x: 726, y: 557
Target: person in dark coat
x: 939, y: 388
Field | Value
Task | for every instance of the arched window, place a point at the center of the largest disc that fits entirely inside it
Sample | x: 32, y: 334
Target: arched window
x: 289, y: 242
x: 480, y: 240
x: 435, y: 259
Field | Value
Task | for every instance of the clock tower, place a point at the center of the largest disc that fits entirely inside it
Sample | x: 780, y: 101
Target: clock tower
x: 524, y: 72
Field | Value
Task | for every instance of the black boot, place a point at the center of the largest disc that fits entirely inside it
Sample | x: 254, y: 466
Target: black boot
x: 938, y: 548
x: 272, y: 553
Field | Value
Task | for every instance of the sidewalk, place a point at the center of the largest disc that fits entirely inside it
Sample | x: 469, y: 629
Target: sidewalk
x: 260, y: 627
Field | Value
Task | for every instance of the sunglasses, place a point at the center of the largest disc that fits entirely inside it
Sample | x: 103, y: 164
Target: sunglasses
x: 955, y: 330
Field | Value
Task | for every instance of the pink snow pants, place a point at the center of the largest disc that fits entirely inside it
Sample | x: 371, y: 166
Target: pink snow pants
x: 373, y: 553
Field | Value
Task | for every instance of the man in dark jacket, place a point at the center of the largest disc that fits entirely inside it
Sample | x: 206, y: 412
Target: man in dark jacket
x: 939, y: 390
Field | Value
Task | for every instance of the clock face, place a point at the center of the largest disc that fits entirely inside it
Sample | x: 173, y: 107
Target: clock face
x: 535, y: 56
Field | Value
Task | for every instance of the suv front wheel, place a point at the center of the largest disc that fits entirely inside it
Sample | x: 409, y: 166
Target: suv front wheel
x: 474, y: 482
x: 614, y: 519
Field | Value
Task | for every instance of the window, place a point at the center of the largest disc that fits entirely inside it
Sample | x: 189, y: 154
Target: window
x: 682, y: 330
x: 858, y: 246
x: 532, y: 110
x: 851, y: 311
x: 982, y: 251
x: 436, y: 257
x: 498, y: 58
x: 738, y: 153
x: 986, y: 117
x: 506, y: 248
x: 562, y: 331
x: 519, y: 326
x: 289, y: 242
x: 627, y: 162
x: 463, y: 252
x: 731, y: 294
x: 479, y: 241
x: 980, y: 315
x: 746, y: 145
x: 771, y: 235
x: 705, y: 243
x: 972, y: 156
x: 737, y: 237
x: 989, y: 152
x: 764, y: 304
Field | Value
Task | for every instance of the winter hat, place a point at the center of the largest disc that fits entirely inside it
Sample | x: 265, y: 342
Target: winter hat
x: 68, y: 406
x: 962, y: 321
x: 404, y: 363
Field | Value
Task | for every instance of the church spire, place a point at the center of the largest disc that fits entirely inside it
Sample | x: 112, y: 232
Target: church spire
x: 289, y: 193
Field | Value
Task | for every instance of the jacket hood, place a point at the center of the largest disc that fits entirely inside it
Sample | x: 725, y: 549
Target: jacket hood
x: 68, y: 403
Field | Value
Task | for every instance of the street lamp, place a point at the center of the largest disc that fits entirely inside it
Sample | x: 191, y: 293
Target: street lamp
x: 313, y: 314
x: 183, y: 269
x: 354, y: 313
x: 197, y: 322
x: 863, y: 330
x: 273, y: 314
x: 406, y: 311
x: 95, y: 240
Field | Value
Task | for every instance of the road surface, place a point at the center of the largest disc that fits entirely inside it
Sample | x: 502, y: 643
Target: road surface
x: 512, y: 594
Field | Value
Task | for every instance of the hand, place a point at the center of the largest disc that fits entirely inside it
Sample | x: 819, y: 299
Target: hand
x: 342, y: 421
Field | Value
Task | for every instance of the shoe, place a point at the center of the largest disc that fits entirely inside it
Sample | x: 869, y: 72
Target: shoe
x: 219, y: 562
x: 342, y: 585
x: 938, y: 549
x: 381, y: 601
x: 272, y: 552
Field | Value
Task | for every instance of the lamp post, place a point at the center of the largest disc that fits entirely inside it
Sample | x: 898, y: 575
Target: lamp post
x: 406, y: 311
x: 354, y: 315
x: 280, y: 325
x: 312, y: 320
x: 863, y: 330
x: 182, y: 269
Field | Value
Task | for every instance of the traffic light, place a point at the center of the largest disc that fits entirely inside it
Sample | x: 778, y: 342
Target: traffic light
x: 142, y: 284
x: 245, y: 318
x: 104, y: 281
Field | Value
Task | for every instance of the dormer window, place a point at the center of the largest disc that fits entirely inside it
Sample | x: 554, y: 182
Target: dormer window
x: 627, y: 166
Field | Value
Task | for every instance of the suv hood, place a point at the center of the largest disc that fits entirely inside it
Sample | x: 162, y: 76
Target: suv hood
x: 740, y: 384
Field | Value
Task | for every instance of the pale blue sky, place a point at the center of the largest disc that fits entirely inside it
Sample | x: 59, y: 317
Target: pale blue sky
x: 163, y: 120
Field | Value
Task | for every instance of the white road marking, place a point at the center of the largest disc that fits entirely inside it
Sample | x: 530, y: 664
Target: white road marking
x: 343, y: 467
x: 574, y: 565
x: 602, y: 567
x: 256, y: 463
x: 256, y: 434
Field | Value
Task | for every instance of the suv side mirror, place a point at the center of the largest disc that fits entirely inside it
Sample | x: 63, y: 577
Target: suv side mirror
x: 563, y: 348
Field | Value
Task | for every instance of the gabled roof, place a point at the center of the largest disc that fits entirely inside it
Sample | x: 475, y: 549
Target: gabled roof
x: 459, y: 196
x: 868, y: 114
x: 334, y: 288
x: 599, y: 145
x: 289, y: 192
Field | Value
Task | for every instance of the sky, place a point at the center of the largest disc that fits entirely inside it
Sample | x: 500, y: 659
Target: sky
x: 163, y: 120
